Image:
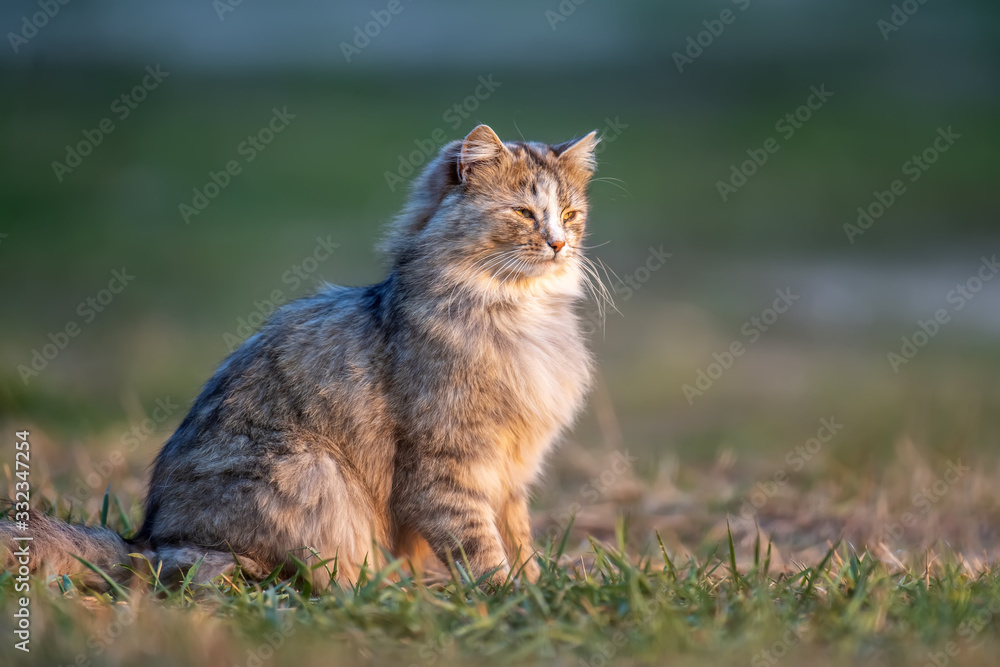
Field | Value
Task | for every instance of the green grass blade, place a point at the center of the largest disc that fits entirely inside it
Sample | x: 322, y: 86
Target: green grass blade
x: 565, y: 538
x: 127, y: 527
x: 666, y: 558
x: 104, y: 507
x: 189, y: 577
x: 816, y: 572
x: 737, y: 579
x: 114, y: 585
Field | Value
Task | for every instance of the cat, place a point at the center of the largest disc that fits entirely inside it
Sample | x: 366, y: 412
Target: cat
x: 414, y: 414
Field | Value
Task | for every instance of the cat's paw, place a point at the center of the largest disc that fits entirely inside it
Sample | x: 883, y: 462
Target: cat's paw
x: 496, y: 581
x: 530, y: 571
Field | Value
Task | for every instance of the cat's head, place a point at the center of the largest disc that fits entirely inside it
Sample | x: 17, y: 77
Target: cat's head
x: 508, y: 213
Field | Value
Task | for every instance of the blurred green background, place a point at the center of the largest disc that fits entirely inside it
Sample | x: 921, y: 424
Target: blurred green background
x: 563, y: 69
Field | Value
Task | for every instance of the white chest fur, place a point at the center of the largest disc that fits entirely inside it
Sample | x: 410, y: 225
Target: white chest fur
x: 548, y: 372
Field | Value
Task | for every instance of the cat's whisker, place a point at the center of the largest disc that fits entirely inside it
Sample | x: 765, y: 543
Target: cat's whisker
x: 508, y: 267
x: 612, y: 181
x: 592, y: 273
x: 610, y: 294
x: 599, y: 291
x: 606, y: 269
x: 517, y: 128
x: 522, y: 263
x: 478, y: 266
x: 510, y: 257
x: 593, y: 294
x: 591, y: 247
x: 599, y: 298
x: 508, y: 254
x: 600, y: 308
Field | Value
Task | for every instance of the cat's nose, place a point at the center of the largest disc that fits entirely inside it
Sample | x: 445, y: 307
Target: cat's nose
x: 557, y: 245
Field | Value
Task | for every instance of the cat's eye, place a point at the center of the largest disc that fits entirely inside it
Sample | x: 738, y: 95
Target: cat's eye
x: 524, y: 212
x: 568, y: 215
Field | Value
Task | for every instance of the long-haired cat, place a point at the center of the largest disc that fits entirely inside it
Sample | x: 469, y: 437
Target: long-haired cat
x: 411, y: 414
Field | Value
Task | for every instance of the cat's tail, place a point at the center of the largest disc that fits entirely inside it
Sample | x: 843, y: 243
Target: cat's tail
x: 52, y: 547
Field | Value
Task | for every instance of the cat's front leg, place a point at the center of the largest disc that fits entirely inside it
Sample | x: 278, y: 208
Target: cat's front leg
x: 456, y: 517
x: 515, y: 526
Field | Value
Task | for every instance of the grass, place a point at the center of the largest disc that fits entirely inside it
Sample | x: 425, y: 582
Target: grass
x: 605, y: 606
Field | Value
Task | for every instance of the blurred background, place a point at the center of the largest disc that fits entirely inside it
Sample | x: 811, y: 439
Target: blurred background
x: 740, y: 140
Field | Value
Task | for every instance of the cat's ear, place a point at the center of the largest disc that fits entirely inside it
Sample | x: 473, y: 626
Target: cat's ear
x: 579, y: 153
x: 482, y: 145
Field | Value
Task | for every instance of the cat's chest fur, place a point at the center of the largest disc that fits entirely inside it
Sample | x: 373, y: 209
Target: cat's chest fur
x: 529, y: 373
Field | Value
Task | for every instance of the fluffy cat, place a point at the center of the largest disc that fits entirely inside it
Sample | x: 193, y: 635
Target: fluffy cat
x: 414, y: 414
